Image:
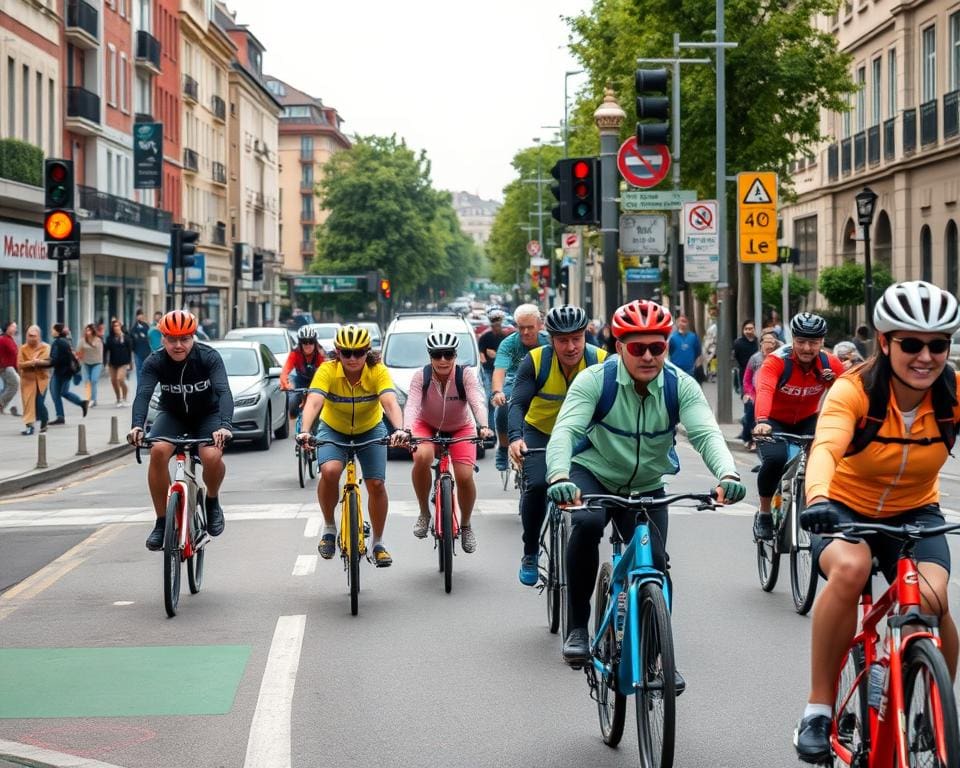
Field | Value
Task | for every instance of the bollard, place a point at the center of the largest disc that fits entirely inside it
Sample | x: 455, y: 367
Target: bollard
x: 82, y: 440
x: 42, y: 451
x: 114, y: 431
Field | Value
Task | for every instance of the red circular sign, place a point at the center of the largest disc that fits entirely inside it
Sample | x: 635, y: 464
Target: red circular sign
x: 644, y: 166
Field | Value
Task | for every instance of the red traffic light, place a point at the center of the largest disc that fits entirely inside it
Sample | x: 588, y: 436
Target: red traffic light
x: 385, y: 288
x: 580, y: 189
x: 581, y: 169
x: 58, y: 172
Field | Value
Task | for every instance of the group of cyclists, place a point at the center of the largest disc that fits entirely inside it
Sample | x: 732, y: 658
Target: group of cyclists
x: 579, y: 420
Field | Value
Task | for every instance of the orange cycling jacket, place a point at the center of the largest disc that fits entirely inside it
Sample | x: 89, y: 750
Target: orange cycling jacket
x: 800, y: 395
x: 884, y: 479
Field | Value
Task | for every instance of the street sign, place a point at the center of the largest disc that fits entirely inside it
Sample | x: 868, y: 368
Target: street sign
x: 329, y: 283
x: 642, y: 274
x: 642, y: 234
x: 643, y: 166
x: 571, y: 243
x: 757, y: 217
x: 533, y: 248
x: 701, y: 242
x: 650, y: 200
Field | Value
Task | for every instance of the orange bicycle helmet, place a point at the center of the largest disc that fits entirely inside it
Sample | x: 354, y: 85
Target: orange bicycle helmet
x: 178, y: 323
x: 641, y: 316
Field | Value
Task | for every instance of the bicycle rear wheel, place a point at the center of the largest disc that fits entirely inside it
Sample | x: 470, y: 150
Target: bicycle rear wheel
x: 803, y: 574
x: 930, y: 710
x: 446, y: 523
x: 768, y: 564
x: 611, y: 704
x: 353, y: 574
x: 553, y: 570
x: 301, y: 464
x: 850, y: 711
x: 657, y: 695
x: 195, y: 561
x: 311, y: 462
x: 171, y: 555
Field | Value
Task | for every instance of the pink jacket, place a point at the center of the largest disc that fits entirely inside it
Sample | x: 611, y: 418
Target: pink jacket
x: 441, y: 408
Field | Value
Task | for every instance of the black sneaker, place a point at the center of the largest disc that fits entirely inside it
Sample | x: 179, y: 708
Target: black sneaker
x: 155, y: 539
x: 763, y: 526
x: 215, y: 521
x: 85, y: 406
x: 576, y: 648
x: 812, y: 739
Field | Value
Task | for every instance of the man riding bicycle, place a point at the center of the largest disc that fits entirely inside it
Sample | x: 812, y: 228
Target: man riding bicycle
x: 511, y: 351
x: 884, y: 434
x: 195, y: 401
x: 350, y: 395
x: 446, y: 398
x: 489, y: 343
x: 539, y: 389
x: 300, y: 366
x: 789, y: 385
x: 615, y: 433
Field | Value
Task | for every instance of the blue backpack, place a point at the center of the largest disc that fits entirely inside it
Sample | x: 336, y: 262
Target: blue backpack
x: 608, y: 393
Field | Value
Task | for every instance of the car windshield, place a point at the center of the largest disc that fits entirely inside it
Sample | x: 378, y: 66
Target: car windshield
x: 409, y: 350
x: 275, y: 342
x: 325, y: 330
x: 240, y: 362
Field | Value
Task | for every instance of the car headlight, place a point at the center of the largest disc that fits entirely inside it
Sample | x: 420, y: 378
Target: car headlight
x: 247, y: 400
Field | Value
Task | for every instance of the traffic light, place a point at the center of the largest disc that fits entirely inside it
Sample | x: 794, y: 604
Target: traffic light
x: 545, y: 276
x: 373, y: 278
x: 182, y: 246
x: 257, y: 266
x: 577, y: 191
x: 61, y: 232
x: 652, y: 107
x: 563, y: 280
x: 384, y: 289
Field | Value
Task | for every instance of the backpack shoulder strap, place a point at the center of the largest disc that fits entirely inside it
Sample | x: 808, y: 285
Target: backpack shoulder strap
x: 866, y: 431
x: 787, y: 365
x: 671, y: 395
x: 608, y: 392
x: 546, y: 361
x: 943, y: 405
x: 590, y: 355
x: 458, y: 378
x: 425, y: 387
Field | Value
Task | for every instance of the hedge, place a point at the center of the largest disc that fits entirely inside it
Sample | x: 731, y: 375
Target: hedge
x: 21, y: 162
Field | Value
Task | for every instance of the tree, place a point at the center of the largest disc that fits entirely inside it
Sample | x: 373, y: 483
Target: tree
x: 771, y: 290
x: 842, y: 286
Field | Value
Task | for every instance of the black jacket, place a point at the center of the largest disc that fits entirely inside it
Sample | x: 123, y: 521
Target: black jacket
x: 61, y: 353
x: 118, y: 349
x: 743, y: 350
x: 141, y: 341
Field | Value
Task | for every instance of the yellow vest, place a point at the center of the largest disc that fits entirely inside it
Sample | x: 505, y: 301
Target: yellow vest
x: 546, y: 402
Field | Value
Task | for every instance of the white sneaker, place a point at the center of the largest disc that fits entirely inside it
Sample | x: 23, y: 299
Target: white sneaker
x: 119, y: 403
x: 468, y: 539
x: 421, y: 527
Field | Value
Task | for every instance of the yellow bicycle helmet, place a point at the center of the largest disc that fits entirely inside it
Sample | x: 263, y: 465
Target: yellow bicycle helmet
x: 352, y: 337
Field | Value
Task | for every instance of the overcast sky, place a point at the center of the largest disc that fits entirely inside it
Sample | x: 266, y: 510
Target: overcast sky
x: 471, y: 83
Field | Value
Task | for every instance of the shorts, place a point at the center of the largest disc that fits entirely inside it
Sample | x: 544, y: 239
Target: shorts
x: 887, y: 550
x: 372, y: 459
x: 460, y: 453
x: 173, y: 425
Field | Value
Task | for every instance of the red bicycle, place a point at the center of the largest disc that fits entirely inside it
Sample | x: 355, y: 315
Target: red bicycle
x: 894, y: 704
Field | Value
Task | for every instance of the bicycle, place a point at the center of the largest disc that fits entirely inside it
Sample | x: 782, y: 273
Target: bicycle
x: 897, y: 703
x: 351, y: 541
x: 306, y: 456
x: 185, y: 535
x: 446, y: 522
x: 632, y: 646
x: 788, y: 536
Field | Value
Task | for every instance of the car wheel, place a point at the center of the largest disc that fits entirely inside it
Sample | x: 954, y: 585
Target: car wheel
x: 284, y: 431
x: 263, y: 442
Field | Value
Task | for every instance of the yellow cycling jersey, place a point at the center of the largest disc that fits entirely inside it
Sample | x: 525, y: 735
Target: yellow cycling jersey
x: 548, y: 398
x: 351, y: 409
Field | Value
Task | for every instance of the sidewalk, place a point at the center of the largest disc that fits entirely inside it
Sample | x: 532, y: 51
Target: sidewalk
x: 730, y: 431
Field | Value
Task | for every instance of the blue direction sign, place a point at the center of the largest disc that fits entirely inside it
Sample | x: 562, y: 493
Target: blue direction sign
x: 642, y: 274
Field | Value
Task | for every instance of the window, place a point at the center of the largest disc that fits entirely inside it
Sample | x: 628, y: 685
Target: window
x: 805, y: 240
x: 306, y: 145
x: 296, y: 112
x: 307, y: 233
x: 953, y: 265
x: 847, y: 118
x: 112, y: 75
x: 861, y: 98
x: 306, y: 207
x: 306, y: 178
x: 11, y: 97
x: 39, y: 106
x: 51, y: 118
x: 110, y: 172
x: 955, y: 52
x: 892, y: 83
x: 123, y: 82
x: 875, y: 93
x: 926, y: 254
x: 928, y: 64
x: 141, y: 99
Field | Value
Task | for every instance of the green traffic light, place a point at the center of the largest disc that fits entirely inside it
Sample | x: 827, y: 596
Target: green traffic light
x: 58, y: 194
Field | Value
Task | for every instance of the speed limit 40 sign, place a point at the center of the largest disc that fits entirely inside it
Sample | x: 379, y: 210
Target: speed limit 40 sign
x: 757, y: 217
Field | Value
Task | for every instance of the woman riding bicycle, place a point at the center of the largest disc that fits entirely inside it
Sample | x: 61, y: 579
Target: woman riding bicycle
x: 877, y: 455
x: 300, y: 366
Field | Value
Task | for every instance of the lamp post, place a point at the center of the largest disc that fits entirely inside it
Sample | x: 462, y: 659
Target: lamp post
x: 866, y: 206
x: 566, y: 105
x: 609, y: 116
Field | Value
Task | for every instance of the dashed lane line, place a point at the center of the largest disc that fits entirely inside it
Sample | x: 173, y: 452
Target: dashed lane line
x: 305, y: 565
x: 312, y: 529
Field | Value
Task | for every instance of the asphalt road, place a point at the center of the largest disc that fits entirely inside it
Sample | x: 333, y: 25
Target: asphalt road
x: 266, y: 667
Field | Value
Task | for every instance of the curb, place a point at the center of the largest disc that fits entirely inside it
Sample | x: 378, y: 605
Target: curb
x: 732, y: 443
x: 21, y: 482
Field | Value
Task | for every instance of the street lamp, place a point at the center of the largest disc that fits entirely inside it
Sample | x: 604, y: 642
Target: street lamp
x: 866, y: 206
x: 566, y: 130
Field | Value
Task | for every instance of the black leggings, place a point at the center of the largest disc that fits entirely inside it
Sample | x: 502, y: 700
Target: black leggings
x: 773, y: 456
x: 533, y: 502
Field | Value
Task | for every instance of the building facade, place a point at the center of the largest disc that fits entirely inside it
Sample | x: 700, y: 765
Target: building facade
x: 476, y: 215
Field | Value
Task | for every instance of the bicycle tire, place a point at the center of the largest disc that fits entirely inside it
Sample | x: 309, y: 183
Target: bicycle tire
x: 446, y: 522
x: 311, y: 463
x: 931, y: 730
x: 563, y: 533
x: 611, y: 711
x: 656, y: 698
x: 768, y: 565
x: 195, y: 561
x: 171, y: 556
x: 353, y: 574
x: 803, y: 573
x: 553, y: 571
x: 850, y: 709
x: 301, y: 465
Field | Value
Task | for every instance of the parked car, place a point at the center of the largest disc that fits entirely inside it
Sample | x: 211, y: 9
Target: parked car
x: 278, y: 339
x: 259, y: 405
x: 376, y: 340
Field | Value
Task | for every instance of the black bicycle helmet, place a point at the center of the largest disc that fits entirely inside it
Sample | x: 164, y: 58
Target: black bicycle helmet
x: 565, y: 319
x: 807, y: 325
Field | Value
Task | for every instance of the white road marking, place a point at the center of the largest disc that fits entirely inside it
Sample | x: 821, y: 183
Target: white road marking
x: 269, y: 743
x: 123, y: 602
x: 42, y: 756
x: 312, y: 529
x: 305, y: 565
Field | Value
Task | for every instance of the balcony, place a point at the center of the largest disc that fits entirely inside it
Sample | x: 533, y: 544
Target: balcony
x: 928, y: 123
x: 218, y: 235
x: 873, y: 145
x: 191, y: 162
x: 909, y: 131
x: 83, y: 111
x: 846, y: 153
x: 106, y: 207
x: 833, y: 162
x: 951, y: 114
x: 82, y: 26
x: 859, y: 150
x: 890, y: 138
x: 148, y: 51
x: 219, y: 107
x: 306, y: 156
x: 191, y: 89
x: 219, y: 173
x: 306, y: 248
x: 307, y: 217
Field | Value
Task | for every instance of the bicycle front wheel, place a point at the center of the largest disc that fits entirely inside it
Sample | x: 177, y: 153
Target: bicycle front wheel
x: 353, y: 574
x: 930, y: 710
x: 171, y: 555
x: 850, y: 712
x: 611, y: 704
x: 195, y: 561
x: 446, y: 522
x: 803, y: 574
x: 657, y: 694
x: 768, y: 565
x: 553, y: 570
x: 301, y: 464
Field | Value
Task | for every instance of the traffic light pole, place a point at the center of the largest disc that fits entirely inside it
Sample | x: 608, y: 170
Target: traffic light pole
x: 61, y: 290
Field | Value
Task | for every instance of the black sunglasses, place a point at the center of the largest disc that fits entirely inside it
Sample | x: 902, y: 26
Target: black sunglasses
x: 447, y: 354
x: 353, y: 352
x: 913, y: 346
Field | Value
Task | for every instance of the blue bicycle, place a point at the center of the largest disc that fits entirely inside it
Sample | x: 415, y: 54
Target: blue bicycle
x: 306, y: 455
x: 632, y: 646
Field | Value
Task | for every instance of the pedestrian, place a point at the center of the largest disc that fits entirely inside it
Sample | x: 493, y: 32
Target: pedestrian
x: 100, y: 329
x: 64, y: 365
x: 140, y: 334
x: 846, y: 352
x: 775, y: 323
x: 118, y: 348
x: 8, y: 367
x: 33, y: 360
x: 593, y: 329
x: 768, y: 343
x: 684, y: 348
x: 709, y: 346
x: 154, y: 335
x: 90, y: 352
x: 743, y: 349
x: 488, y: 343
x: 860, y: 340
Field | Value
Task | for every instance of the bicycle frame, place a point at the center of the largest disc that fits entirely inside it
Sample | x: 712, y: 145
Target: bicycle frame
x: 351, y: 487
x: 185, y: 481
x: 443, y: 469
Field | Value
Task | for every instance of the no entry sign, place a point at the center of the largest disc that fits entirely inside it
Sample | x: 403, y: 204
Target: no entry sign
x: 643, y: 166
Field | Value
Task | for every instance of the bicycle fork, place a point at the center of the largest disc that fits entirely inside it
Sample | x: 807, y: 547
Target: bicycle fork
x: 351, y: 488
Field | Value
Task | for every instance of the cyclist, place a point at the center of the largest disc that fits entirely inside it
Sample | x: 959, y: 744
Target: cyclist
x: 789, y: 385
x: 511, y: 351
x: 489, y: 343
x: 195, y: 400
x: 302, y: 363
x: 350, y: 395
x: 890, y: 472
x: 543, y: 379
x: 446, y: 398
x: 615, y: 433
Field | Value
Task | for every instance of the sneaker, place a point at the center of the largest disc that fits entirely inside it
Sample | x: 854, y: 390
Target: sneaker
x: 155, y: 539
x: 529, y: 575
x: 812, y: 739
x: 85, y: 406
x: 43, y: 426
x: 14, y: 411
x: 119, y: 404
x: 215, y: 521
x: 501, y: 460
x: 327, y: 546
x: 421, y: 527
x: 381, y: 558
x: 57, y: 421
x: 27, y: 430
x: 468, y: 539
x: 576, y: 648
x: 763, y: 526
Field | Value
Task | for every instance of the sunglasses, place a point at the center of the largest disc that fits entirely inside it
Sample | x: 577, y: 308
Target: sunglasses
x: 304, y: 343
x: 639, y: 348
x: 446, y: 354
x: 353, y: 352
x: 913, y: 346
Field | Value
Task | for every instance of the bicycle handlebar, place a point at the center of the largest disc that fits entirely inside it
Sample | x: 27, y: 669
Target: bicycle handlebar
x: 914, y: 532
x: 181, y: 443
x: 785, y: 437
x: 315, y: 441
x: 645, y: 503
x: 528, y: 451
x: 297, y: 390
x: 445, y: 440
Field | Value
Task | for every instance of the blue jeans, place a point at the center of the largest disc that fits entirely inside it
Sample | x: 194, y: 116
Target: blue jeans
x: 488, y: 388
x: 60, y: 391
x: 91, y: 373
x: 138, y: 364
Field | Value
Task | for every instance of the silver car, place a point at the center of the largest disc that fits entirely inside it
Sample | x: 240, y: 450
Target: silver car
x: 278, y: 339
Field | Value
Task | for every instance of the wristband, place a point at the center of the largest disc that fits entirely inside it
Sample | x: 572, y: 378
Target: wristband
x: 732, y: 476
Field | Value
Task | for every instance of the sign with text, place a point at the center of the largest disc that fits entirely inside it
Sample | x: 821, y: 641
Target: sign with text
x: 640, y: 234
x: 701, y: 242
x: 757, y: 217
x: 650, y: 200
x: 642, y: 274
x: 148, y: 155
x: 329, y: 283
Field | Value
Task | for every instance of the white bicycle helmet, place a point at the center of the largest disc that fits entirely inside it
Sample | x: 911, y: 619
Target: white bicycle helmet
x: 916, y: 306
x: 442, y: 340
x: 494, y: 313
x: 306, y: 333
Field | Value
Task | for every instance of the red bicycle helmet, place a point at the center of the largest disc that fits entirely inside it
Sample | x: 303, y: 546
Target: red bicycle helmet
x: 641, y: 316
x: 177, y: 323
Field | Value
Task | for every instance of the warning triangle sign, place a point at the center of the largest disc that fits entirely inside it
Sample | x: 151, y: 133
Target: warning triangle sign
x: 757, y: 194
